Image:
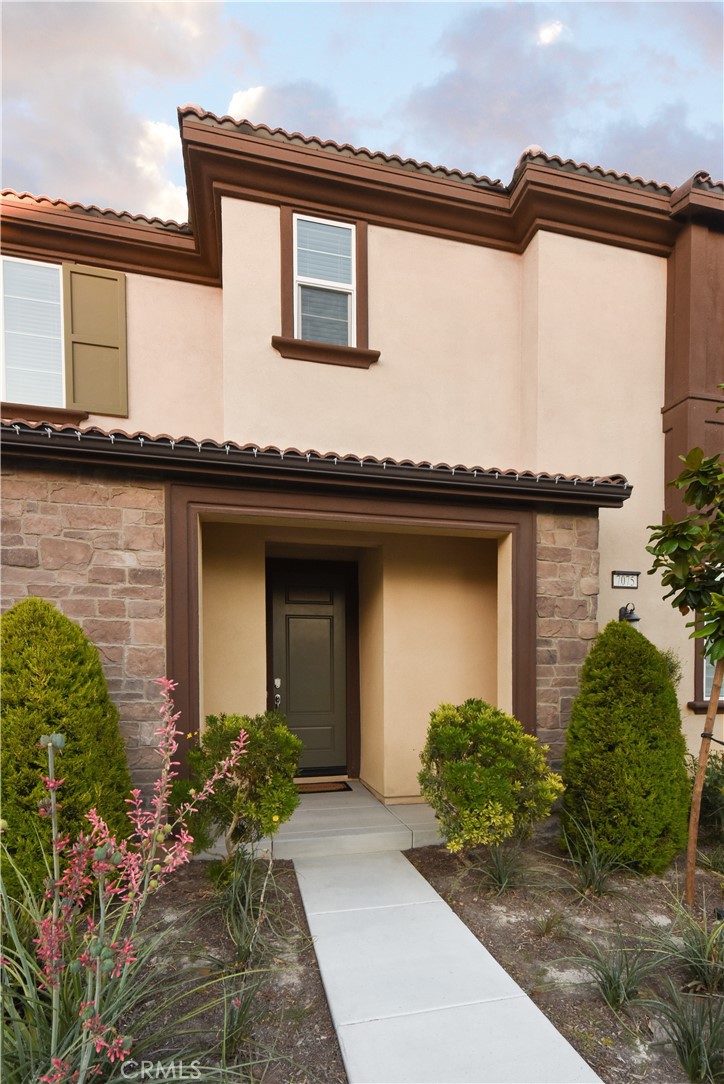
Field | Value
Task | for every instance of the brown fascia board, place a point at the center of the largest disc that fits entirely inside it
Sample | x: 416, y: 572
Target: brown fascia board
x: 700, y: 202
x: 230, y: 464
x: 246, y: 166
x: 591, y: 208
x: 225, y: 162
x: 44, y: 230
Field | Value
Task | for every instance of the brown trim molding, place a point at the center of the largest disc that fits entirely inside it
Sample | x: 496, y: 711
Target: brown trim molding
x: 358, y: 356
x: 187, y: 505
x: 222, y: 162
x: 17, y: 412
x: 694, y: 336
x: 325, y: 353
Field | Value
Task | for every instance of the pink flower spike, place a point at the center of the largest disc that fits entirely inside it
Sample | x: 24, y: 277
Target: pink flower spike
x: 52, y: 784
x: 166, y: 684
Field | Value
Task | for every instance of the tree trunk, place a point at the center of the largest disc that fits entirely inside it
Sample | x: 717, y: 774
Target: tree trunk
x: 699, y: 782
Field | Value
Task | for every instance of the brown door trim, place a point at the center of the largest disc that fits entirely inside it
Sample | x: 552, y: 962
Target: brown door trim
x: 347, y: 569
x: 188, y: 504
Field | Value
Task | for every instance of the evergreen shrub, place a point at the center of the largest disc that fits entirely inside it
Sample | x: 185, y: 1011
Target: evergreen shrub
x: 260, y: 794
x: 485, y: 778
x: 624, y: 766
x: 53, y: 682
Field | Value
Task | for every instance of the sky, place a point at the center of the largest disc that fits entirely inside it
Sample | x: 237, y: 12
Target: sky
x: 90, y: 90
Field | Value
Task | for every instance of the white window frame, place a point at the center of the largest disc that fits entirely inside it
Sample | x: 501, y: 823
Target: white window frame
x: 3, y: 372
x: 325, y: 284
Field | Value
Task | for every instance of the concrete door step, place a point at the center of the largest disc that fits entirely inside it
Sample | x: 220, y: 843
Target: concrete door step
x: 353, y: 822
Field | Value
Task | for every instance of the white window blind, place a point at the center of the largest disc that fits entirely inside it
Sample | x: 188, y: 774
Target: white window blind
x: 33, y: 334
x: 324, y: 281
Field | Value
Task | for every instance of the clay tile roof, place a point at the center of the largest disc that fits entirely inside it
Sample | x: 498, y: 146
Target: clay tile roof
x: 262, y: 131
x: 98, y: 212
x: 228, y: 456
x: 567, y: 165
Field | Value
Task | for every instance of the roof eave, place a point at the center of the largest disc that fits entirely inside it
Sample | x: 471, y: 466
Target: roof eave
x: 229, y: 464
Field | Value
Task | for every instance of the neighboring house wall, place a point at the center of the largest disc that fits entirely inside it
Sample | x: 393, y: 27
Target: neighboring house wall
x: 92, y: 543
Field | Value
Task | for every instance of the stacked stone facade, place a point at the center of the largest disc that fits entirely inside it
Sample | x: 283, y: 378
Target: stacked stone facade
x: 567, y: 566
x: 92, y: 543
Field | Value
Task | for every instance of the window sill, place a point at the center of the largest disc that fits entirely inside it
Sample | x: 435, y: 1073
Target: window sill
x: 700, y: 707
x: 25, y: 413
x: 325, y: 353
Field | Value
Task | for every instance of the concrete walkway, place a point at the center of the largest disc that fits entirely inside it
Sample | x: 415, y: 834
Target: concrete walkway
x: 414, y: 997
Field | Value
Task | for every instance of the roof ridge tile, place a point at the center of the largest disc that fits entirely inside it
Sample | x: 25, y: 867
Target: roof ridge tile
x: 330, y: 145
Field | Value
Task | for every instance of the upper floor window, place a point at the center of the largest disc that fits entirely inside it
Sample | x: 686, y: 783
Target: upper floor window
x: 324, y: 291
x: 33, y: 334
x: 64, y: 341
x: 324, y: 275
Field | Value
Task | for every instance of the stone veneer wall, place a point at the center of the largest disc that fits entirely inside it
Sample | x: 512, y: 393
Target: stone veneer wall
x: 566, y: 606
x: 92, y: 543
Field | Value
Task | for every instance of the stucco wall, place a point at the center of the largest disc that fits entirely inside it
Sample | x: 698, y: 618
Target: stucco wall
x: 444, y: 315
x: 428, y: 631
x: 440, y: 641
x: 175, y: 368
x: 552, y: 360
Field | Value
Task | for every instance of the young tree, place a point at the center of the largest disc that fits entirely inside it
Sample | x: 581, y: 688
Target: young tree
x: 690, y: 554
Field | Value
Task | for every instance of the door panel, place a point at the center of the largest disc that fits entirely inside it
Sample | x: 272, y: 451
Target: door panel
x: 308, y: 665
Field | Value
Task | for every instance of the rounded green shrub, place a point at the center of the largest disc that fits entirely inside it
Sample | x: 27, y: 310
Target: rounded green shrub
x: 624, y: 764
x: 259, y: 796
x: 52, y: 682
x: 485, y: 778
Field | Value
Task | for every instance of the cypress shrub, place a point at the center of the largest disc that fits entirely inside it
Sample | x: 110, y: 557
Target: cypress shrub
x: 624, y: 764
x: 52, y: 682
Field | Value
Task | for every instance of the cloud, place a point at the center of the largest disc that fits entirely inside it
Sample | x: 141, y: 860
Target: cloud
x: 665, y: 149
x: 248, y: 105
x: 550, y: 32
x: 501, y: 92
x: 516, y: 75
x: 157, y: 146
x: 299, y: 106
x: 71, y: 73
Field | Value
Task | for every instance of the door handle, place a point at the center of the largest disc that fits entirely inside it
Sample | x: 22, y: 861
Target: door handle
x: 277, y: 700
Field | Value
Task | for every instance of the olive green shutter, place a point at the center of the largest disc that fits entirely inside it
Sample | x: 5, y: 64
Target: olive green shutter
x: 94, y: 312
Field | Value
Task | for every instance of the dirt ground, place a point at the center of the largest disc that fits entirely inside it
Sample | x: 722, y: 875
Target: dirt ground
x: 533, y: 931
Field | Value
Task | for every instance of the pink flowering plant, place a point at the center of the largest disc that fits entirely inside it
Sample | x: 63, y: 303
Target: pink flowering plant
x: 75, y: 975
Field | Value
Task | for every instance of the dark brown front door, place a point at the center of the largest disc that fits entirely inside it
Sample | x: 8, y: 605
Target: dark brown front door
x: 308, y: 609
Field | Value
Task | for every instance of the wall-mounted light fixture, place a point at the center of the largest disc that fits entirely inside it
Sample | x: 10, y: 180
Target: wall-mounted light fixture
x: 629, y: 580
x: 628, y: 613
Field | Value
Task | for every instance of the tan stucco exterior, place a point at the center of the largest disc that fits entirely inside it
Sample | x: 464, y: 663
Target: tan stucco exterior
x: 428, y: 630
x: 175, y: 359
x: 541, y: 327
x: 542, y: 361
